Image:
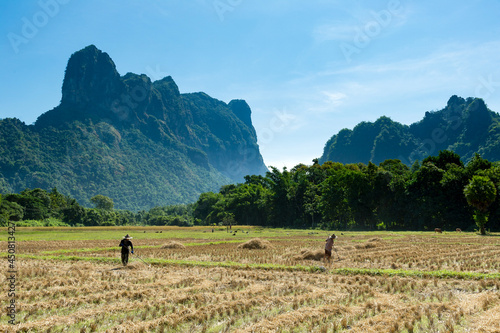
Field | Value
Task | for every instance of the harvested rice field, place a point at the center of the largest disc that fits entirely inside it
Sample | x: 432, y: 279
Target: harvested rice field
x: 252, y: 280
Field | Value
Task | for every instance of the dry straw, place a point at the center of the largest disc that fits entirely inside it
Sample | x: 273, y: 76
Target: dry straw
x: 82, y: 290
x: 372, y: 243
x: 173, y: 245
x: 256, y: 244
x: 310, y: 255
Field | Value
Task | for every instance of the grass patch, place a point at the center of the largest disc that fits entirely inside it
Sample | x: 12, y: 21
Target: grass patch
x: 441, y: 274
x: 114, y: 248
x: 140, y: 232
x: 158, y: 261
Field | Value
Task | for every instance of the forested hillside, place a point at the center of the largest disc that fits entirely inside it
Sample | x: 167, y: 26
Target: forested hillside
x: 465, y: 126
x: 142, y: 143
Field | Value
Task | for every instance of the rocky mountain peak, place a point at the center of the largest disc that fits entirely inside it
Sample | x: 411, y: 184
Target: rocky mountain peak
x: 241, y: 109
x: 90, y: 75
x: 465, y: 126
x: 185, y: 142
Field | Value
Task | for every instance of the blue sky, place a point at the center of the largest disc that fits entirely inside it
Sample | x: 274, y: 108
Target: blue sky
x: 306, y: 68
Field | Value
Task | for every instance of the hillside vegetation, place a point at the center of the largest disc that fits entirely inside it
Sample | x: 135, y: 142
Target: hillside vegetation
x: 140, y: 142
x: 465, y: 126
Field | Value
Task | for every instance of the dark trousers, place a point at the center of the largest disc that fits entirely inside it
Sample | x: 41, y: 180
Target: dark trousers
x: 125, y: 258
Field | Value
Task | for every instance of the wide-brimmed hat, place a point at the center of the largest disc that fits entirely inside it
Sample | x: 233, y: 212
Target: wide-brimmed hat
x: 127, y: 237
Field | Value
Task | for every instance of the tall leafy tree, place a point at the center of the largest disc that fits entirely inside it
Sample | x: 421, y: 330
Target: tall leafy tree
x: 73, y: 213
x: 282, y: 211
x: 10, y: 211
x: 425, y: 192
x: 334, y: 204
x: 36, y: 203
x: 395, y: 167
x: 248, y: 204
x: 444, y: 159
x: 476, y: 164
x: 205, y: 206
x: 102, y: 202
x: 300, y: 197
x: 480, y: 194
x: 494, y: 174
x: 453, y: 206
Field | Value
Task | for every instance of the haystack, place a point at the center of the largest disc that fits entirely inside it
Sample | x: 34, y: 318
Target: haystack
x: 370, y: 244
x: 256, y: 244
x: 310, y: 255
x: 173, y: 245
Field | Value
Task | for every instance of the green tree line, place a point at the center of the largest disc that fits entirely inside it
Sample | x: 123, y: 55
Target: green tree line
x: 38, y: 207
x: 439, y: 192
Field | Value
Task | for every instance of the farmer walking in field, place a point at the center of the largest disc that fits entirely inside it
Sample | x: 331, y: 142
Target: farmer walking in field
x: 329, y: 247
x: 125, y: 243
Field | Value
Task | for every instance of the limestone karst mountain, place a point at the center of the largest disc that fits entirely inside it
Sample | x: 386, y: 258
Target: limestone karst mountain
x: 142, y: 143
x: 465, y: 126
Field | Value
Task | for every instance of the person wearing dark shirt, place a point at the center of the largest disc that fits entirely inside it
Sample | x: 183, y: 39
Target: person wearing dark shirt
x: 125, y: 244
x: 328, y: 248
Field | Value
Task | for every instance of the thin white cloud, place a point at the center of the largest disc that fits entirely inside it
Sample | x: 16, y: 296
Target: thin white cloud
x: 364, y: 21
x: 334, y: 98
x: 326, y: 102
x: 461, y: 58
x: 338, y: 31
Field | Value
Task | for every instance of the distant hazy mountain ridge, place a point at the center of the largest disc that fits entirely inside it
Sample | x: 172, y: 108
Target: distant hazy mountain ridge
x: 139, y: 142
x: 465, y: 126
